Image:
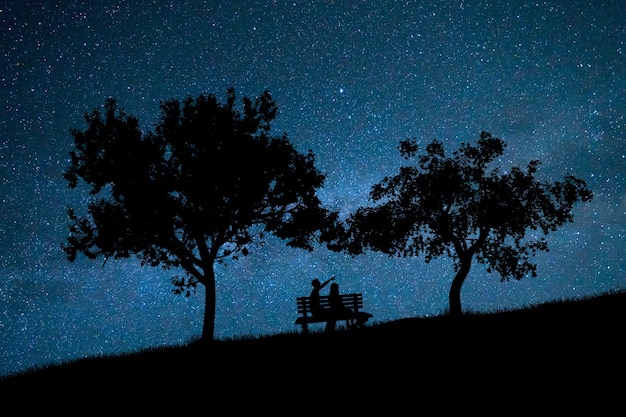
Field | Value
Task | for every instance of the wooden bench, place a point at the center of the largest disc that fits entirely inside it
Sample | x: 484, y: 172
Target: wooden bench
x: 352, y: 301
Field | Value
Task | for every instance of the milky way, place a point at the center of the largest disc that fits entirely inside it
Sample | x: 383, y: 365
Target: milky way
x: 351, y: 79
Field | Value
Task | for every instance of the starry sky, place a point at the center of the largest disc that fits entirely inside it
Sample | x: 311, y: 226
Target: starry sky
x: 351, y: 79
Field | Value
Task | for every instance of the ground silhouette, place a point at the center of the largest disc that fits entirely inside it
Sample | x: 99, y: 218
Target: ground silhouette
x: 558, y: 354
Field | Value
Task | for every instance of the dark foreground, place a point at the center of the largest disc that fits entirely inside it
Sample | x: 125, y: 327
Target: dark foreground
x: 556, y: 357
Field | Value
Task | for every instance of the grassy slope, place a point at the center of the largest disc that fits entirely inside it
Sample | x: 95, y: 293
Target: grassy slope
x: 561, y: 352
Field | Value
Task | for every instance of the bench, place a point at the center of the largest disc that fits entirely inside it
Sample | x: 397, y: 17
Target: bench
x: 352, y: 301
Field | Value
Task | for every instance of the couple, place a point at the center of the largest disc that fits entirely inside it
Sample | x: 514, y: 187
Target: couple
x: 335, y: 305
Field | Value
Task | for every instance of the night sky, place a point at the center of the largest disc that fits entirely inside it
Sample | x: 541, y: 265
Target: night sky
x: 351, y: 79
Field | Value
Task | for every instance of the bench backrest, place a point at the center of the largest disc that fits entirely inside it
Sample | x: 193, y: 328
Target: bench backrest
x: 353, y: 301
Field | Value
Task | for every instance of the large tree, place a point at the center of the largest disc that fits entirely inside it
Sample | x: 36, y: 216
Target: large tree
x: 464, y: 207
x: 200, y: 189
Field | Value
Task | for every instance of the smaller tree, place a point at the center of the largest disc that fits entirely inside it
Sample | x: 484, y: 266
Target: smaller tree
x: 458, y: 207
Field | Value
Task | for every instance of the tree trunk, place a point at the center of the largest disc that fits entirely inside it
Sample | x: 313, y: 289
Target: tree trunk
x: 208, y: 327
x: 454, y: 296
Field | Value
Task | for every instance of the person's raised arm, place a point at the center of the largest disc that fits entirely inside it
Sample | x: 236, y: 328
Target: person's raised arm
x: 327, y: 281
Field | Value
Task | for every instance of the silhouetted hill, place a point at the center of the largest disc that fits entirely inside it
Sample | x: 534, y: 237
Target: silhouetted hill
x: 563, y: 350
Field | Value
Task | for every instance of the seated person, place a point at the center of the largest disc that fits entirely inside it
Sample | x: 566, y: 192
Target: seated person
x: 337, y: 308
x: 314, y: 297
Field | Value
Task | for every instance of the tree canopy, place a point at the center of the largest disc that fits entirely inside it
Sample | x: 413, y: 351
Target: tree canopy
x: 462, y: 207
x: 203, y: 187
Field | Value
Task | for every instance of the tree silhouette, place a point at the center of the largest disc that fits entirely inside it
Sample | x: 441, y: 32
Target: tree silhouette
x: 203, y: 187
x: 457, y: 206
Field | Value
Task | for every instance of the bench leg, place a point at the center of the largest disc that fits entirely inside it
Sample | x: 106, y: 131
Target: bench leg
x: 331, y: 326
x: 305, y: 327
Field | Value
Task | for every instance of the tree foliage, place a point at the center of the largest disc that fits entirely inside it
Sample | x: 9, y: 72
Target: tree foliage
x: 203, y: 187
x: 462, y: 207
